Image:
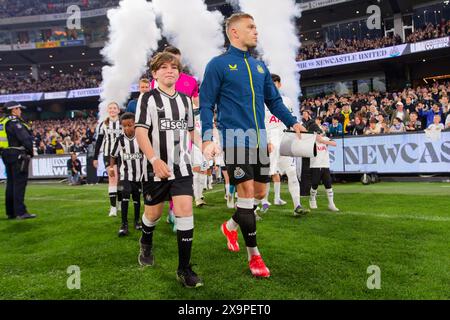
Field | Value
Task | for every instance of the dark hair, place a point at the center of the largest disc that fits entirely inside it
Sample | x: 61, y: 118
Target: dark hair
x: 275, y: 77
x: 315, y: 128
x: 172, y: 50
x: 336, y: 118
x: 127, y: 116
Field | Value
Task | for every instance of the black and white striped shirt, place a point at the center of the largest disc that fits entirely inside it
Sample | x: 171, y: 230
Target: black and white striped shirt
x: 133, y: 163
x: 107, y: 135
x: 169, y: 119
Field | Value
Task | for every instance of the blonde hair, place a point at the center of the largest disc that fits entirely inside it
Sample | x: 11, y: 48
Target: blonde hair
x: 107, y: 118
x: 235, y: 17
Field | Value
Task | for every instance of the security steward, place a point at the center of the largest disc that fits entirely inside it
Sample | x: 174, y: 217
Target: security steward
x: 16, y: 148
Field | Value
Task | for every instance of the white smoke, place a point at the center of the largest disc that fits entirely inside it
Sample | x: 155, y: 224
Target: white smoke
x: 278, y: 41
x: 197, y: 32
x: 133, y: 37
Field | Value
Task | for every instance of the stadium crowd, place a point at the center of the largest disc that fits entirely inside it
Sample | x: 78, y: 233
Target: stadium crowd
x: 12, y: 83
x: 64, y: 136
x: 342, y: 46
x: 14, y: 8
x: 423, y: 108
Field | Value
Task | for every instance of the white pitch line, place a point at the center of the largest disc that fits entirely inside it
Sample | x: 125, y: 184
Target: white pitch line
x: 386, y: 216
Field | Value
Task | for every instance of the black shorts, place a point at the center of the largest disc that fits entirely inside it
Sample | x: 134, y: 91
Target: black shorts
x: 320, y: 175
x: 245, y: 164
x: 106, y: 161
x: 157, y: 192
x: 129, y: 187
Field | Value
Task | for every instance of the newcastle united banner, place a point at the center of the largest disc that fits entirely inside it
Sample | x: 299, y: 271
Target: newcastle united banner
x: 394, y: 153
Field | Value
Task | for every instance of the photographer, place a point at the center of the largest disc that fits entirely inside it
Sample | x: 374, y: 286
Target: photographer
x: 74, y: 169
x: 16, y: 145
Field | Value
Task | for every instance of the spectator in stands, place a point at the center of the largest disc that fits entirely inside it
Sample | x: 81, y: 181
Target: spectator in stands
x: 436, y: 125
x: 306, y: 119
x: 357, y: 126
x: 335, y: 130
x: 413, y: 124
x: 397, y: 126
x: 42, y: 148
x: 58, y: 145
x: 319, y: 122
x: 429, y: 114
x: 372, y: 129
x: 78, y: 147
x: 447, y: 121
x: 74, y: 169
x: 346, y: 116
x: 400, y: 113
x: 67, y: 144
x: 409, y: 106
x: 381, y: 123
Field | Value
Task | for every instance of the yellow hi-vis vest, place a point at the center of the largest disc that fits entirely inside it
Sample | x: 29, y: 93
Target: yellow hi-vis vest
x: 3, y: 136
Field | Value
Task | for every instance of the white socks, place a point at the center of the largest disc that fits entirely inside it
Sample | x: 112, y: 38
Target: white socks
x: 232, y: 225
x: 277, y: 189
x: 313, y: 194
x: 198, y: 185
x: 294, y: 187
x: 330, y: 196
x: 252, y: 252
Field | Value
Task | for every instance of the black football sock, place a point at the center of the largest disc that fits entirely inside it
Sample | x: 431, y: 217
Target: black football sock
x: 185, y: 235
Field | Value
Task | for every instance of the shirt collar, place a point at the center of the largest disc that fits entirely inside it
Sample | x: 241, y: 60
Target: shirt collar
x: 238, y: 52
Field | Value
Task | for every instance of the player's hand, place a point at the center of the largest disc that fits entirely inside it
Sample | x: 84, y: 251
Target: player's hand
x: 95, y: 164
x: 270, y: 147
x: 111, y: 172
x: 161, y: 169
x: 298, y: 128
x: 210, y: 150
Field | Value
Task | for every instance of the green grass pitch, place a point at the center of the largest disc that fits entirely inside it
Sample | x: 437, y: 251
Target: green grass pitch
x: 403, y: 228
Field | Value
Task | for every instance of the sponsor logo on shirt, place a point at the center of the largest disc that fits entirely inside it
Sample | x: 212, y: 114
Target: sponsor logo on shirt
x: 113, y: 131
x: 168, y: 124
x: 233, y: 67
x: 132, y: 156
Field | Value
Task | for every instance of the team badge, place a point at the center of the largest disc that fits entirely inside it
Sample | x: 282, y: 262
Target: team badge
x: 260, y: 69
x: 204, y: 165
x: 148, y: 197
x: 239, y: 173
